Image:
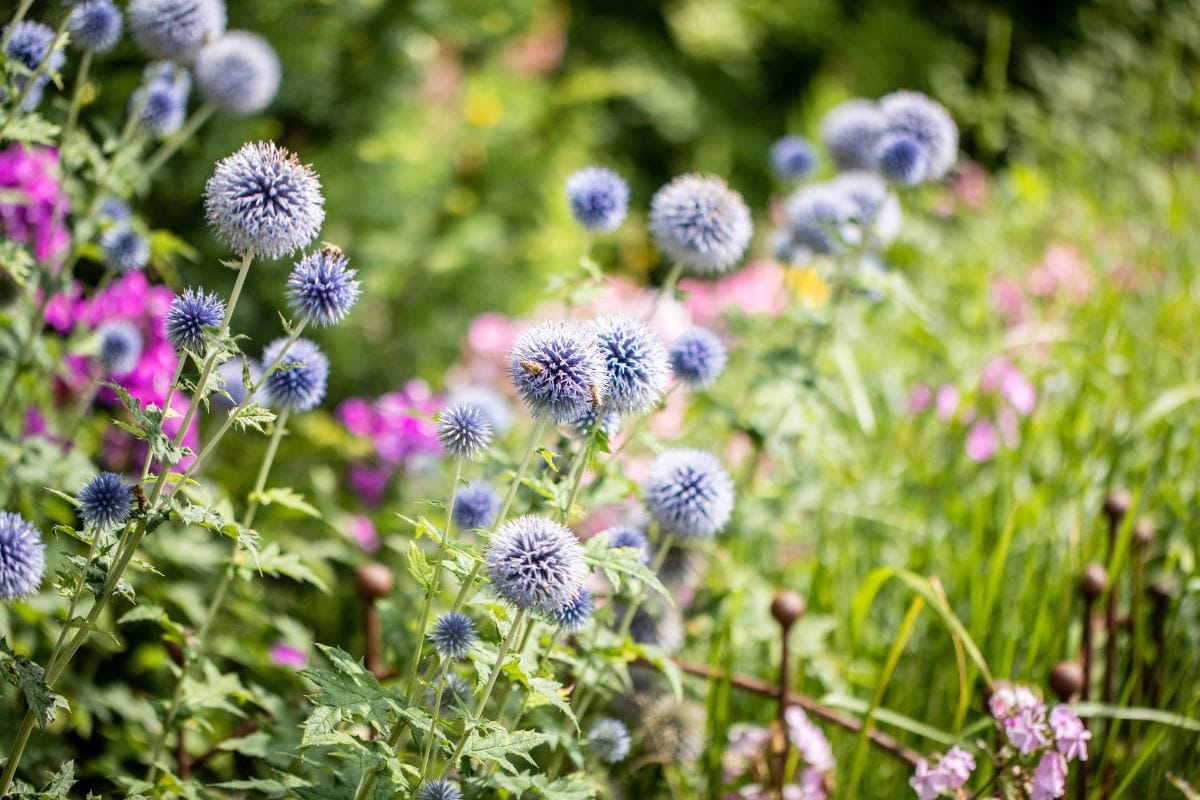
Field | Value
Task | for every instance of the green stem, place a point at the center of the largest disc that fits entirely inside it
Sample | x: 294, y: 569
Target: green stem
x: 85, y: 65
x: 666, y: 290
x: 172, y: 145
x: 437, y: 715
x: 435, y: 584
x: 22, y: 10
x: 32, y: 80
x: 580, y: 466
x: 166, y: 406
x: 554, y: 637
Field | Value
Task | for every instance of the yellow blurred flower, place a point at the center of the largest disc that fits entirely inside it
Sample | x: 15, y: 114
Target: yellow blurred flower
x: 807, y: 284
x: 483, y: 109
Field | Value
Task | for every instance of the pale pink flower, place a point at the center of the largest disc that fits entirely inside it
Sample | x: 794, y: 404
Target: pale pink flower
x: 926, y: 782
x: 1026, y: 730
x: 746, y: 743
x: 1063, y: 271
x: 970, y: 184
x: 809, y: 739
x: 1070, y: 734
x: 920, y: 397
x: 981, y: 442
x: 287, y: 656
x: 1008, y: 298
x: 1050, y: 779
x: 362, y: 531
x: 1009, y: 427
x: 952, y: 771
x: 946, y: 402
x: 757, y: 289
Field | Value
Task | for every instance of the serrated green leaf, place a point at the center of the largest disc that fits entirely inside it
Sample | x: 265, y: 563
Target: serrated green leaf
x: 286, y: 497
x: 29, y: 677
x: 418, y: 566
x: 492, y: 744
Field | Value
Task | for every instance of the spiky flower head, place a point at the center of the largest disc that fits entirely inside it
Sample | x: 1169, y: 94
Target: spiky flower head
x: 124, y: 249
x: 849, y: 132
x: 262, y: 200
x: 792, y: 158
x: 190, y: 313
x: 599, y: 198
x: 558, y: 369
x: 877, y: 211
x: 120, y: 348
x: 689, y: 493
x: 609, y: 739
x: 106, y: 501
x: 238, y: 73
x: 453, y: 635
x: 583, y: 424
x: 476, y: 506
x: 321, y: 288
x: 456, y: 694
x: 95, y: 25
x: 636, y: 361
x: 629, y: 536
x: 298, y: 383
x: 115, y: 210
x: 576, y: 613
x: 439, y: 789
x: 699, y: 222
x: 22, y: 557
x: 912, y: 114
x: 657, y: 624
x: 464, y: 430
x: 536, y: 564
x: 161, y: 100
x: 820, y: 219
x: 901, y: 159
x: 176, y: 28
x: 29, y: 45
x: 698, y: 357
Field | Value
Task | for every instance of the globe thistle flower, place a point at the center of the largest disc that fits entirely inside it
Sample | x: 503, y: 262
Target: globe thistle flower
x: 820, y: 219
x: 699, y: 222
x: 176, y: 28
x: 698, y: 357
x: 476, y: 506
x: 536, y: 564
x: 464, y: 431
x: 190, y: 313
x: 456, y: 693
x: 629, y: 536
x: 120, y: 348
x: 877, y: 209
x: 262, y: 200
x: 559, y: 370
x: 115, y: 210
x: 609, y: 740
x: 792, y: 158
x: 95, y: 25
x: 321, y: 288
x: 636, y: 361
x: 682, y: 569
x: 22, y: 557
x: 583, y: 424
x: 238, y: 73
x: 124, y: 249
x: 599, y: 198
x: 849, y: 132
x: 493, y: 404
x: 575, y: 615
x: 106, y: 501
x: 912, y: 114
x: 438, y: 789
x: 656, y: 624
x: 901, y: 159
x: 689, y: 493
x: 232, y: 375
x: 299, y: 383
x: 161, y: 100
x: 676, y: 729
x: 453, y: 635
x: 29, y: 45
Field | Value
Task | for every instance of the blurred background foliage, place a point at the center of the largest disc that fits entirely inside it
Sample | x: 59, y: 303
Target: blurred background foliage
x: 443, y: 130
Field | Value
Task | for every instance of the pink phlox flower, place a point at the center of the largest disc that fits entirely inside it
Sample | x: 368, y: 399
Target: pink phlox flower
x: 946, y: 402
x: 35, y: 206
x: 1070, y: 734
x: 1026, y: 730
x: 1050, y: 778
x: 809, y: 739
x: 981, y: 441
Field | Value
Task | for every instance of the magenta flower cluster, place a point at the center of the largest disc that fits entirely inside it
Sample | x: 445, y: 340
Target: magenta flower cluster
x: 37, y: 215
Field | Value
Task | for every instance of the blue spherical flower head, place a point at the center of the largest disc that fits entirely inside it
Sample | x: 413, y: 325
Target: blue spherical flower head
x: 698, y: 357
x: 821, y: 219
x: 190, y: 313
x: 124, y: 249
x: 22, y: 557
x: 575, y: 614
x: 321, y: 288
x: 464, y: 431
x: 876, y: 208
x: 536, y: 564
x: 106, y: 501
x: 299, y: 382
x: 926, y: 121
x: 636, y: 361
x: 849, y: 132
x: 609, y: 740
x: 176, y: 29
x: 456, y: 695
x: 558, y: 369
x: 792, y: 158
x: 115, y: 210
x: 629, y: 536
x: 700, y: 223
x: 453, y: 635
x: 95, y: 25
x: 234, y: 383
x: 438, y: 789
x: 902, y: 159
x: 161, y: 100
x: 120, y: 348
x: 262, y: 200
x: 689, y: 493
x: 599, y: 198
x: 238, y: 73
x: 476, y: 506
x: 585, y: 422
x: 29, y: 45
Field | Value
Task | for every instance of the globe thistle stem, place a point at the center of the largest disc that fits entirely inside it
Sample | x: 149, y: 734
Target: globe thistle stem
x: 580, y: 465
x: 666, y: 290
x: 59, y: 34
x: 170, y: 147
x: 85, y: 65
x: 437, y: 715
x: 434, y: 586
x: 481, y: 704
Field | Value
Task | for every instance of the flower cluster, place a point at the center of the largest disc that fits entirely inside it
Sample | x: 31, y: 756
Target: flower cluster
x: 400, y: 429
x: 1005, y: 395
x: 33, y: 205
